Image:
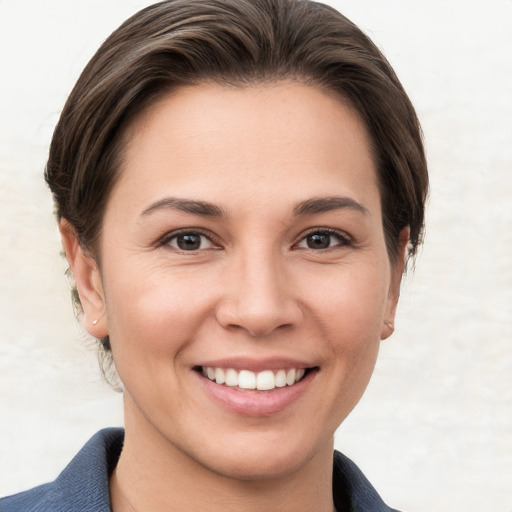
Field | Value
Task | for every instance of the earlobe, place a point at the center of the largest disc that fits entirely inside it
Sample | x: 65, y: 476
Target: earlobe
x: 88, y: 281
x: 388, y: 329
x: 397, y: 270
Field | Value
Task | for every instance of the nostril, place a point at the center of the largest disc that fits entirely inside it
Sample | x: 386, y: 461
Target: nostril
x: 259, y: 301
x: 258, y: 323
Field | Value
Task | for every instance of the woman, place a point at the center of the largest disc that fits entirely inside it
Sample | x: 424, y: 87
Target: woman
x: 238, y: 185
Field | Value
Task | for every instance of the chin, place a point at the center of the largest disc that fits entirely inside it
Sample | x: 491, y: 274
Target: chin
x: 263, y: 459
x: 258, y: 467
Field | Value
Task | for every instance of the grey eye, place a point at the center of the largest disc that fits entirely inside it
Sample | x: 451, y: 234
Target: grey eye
x: 190, y: 242
x: 319, y: 241
x: 323, y: 240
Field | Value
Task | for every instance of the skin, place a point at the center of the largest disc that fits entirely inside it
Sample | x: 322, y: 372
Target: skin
x: 254, y: 289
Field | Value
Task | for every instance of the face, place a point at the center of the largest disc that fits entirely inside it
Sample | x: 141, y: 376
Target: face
x: 243, y: 247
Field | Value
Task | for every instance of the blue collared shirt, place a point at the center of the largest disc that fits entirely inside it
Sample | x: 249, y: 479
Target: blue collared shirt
x: 83, y: 485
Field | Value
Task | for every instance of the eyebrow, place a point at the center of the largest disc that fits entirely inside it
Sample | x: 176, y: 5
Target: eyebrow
x: 327, y: 204
x: 307, y: 207
x: 185, y: 205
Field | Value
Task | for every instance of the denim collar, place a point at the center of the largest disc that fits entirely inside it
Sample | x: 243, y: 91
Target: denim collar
x: 83, y: 485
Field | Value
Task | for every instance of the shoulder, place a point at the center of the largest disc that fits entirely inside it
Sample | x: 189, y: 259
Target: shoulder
x: 351, y: 489
x: 82, y: 486
x: 33, y: 500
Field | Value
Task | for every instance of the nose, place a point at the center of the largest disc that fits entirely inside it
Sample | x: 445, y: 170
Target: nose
x: 259, y: 298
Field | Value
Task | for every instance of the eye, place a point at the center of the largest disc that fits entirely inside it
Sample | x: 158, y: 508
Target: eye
x: 324, y: 239
x: 189, y: 241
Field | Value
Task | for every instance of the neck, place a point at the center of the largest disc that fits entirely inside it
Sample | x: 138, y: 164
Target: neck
x: 153, y: 474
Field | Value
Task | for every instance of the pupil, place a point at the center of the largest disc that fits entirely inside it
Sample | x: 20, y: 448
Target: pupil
x: 319, y: 241
x: 189, y: 242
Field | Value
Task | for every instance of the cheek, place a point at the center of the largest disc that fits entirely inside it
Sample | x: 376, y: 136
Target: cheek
x: 155, y: 312
x: 351, y: 304
x: 352, y: 320
x: 350, y: 311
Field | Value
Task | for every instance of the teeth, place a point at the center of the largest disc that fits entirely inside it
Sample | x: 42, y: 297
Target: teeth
x: 220, y: 376
x: 265, y: 380
x: 245, y: 379
x: 281, y: 379
x: 231, y: 377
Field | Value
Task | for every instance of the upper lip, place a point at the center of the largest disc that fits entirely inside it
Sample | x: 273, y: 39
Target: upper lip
x: 256, y: 365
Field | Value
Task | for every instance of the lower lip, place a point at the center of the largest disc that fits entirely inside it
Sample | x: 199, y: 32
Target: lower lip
x: 253, y: 402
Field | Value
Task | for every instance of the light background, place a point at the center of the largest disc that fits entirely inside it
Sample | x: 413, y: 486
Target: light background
x: 434, y: 431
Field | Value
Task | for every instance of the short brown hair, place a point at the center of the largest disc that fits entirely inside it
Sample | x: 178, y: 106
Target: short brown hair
x: 238, y: 42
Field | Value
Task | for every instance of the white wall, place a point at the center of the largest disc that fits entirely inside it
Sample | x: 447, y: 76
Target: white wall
x: 434, y: 431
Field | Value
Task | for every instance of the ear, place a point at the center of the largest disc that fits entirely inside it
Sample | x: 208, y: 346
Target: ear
x: 88, y: 281
x: 397, y: 270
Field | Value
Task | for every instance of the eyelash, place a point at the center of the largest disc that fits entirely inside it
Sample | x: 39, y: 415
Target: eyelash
x: 166, y: 240
x: 344, y: 240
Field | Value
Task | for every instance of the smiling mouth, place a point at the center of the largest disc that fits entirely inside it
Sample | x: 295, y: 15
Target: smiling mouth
x: 265, y: 380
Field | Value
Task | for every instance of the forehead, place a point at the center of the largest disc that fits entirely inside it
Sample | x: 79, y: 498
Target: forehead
x: 279, y: 138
